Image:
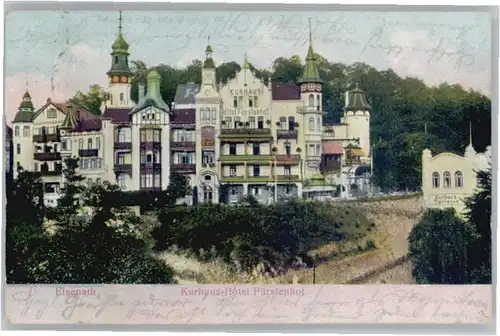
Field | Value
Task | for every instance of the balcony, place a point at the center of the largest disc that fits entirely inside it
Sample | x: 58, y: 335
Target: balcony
x: 330, y: 166
x: 47, y: 156
x: 288, y: 178
x: 46, y: 138
x: 232, y: 179
x: 123, y: 145
x: 88, y: 152
x: 183, y: 168
x: 245, y: 158
x: 287, y: 134
x: 150, y: 189
x: 123, y: 169
x: 188, y: 146
x: 46, y: 172
x: 309, y: 109
x: 150, y: 145
x: 236, y: 134
x: 181, y: 124
x: 288, y: 159
x: 150, y: 166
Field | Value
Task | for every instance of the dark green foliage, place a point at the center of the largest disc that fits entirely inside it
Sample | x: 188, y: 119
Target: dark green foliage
x: 248, y: 233
x: 445, y: 249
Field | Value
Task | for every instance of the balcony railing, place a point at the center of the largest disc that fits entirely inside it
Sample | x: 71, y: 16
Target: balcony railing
x: 123, y: 145
x: 287, y: 178
x: 245, y: 158
x: 245, y: 133
x: 291, y: 159
x: 123, y: 168
x: 287, y: 134
x: 150, y: 166
x: 46, y: 137
x: 183, y: 168
x: 47, y: 156
x: 308, y: 109
x: 55, y: 172
x: 183, y: 146
x: 88, y: 152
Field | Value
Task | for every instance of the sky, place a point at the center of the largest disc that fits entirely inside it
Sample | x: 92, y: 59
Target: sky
x: 54, y: 53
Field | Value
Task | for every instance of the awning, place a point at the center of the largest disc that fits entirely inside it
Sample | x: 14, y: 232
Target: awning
x: 332, y: 148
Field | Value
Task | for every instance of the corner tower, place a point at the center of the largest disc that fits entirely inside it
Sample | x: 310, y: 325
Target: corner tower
x: 311, y: 111
x: 357, y: 115
x: 119, y: 74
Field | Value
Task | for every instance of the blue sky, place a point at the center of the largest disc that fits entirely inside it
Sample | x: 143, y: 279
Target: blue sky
x: 57, y: 53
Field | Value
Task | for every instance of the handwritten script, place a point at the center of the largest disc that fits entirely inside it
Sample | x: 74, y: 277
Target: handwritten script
x: 166, y: 304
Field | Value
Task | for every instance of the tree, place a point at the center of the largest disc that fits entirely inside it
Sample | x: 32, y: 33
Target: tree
x: 92, y: 100
x: 438, y: 247
x: 479, y: 218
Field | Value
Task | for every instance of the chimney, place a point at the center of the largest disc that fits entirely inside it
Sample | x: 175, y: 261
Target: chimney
x: 141, y: 90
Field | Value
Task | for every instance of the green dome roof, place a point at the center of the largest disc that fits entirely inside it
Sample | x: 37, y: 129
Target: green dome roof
x: 209, y: 49
x: 120, y: 43
x: 153, y: 75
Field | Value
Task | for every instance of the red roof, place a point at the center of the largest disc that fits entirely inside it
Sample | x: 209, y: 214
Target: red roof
x: 332, y: 148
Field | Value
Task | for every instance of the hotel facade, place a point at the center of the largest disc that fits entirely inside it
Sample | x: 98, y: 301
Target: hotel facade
x: 244, y: 137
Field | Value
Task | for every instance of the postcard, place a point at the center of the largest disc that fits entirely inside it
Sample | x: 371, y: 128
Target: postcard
x: 248, y: 167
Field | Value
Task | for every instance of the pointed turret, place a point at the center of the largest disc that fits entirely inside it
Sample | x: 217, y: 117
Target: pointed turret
x: 357, y: 100
x: 310, y: 75
x: 70, y: 121
x: 469, y: 150
x: 209, y: 62
x: 120, y: 71
x: 26, y: 109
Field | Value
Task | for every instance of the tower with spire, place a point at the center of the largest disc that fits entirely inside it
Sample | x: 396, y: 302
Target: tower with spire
x: 357, y: 116
x: 311, y: 111
x: 22, y: 139
x: 208, y: 70
x: 119, y: 74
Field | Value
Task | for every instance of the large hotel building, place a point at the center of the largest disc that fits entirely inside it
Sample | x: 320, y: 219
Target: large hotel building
x: 243, y: 137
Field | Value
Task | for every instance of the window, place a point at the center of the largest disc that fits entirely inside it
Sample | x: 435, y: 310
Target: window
x: 256, y: 101
x: 124, y: 134
x: 232, y: 170
x: 208, y: 157
x: 236, y: 122
x: 435, y: 180
x: 232, y: 149
x: 16, y: 131
x: 318, y: 103
x: 26, y: 131
x: 311, y: 150
x: 80, y: 144
x: 291, y: 123
x: 98, y: 180
x: 251, y: 122
x: 228, y: 121
x: 89, y: 143
x: 240, y: 101
x: 207, y: 194
x: 51, y: 114
x: 18, y: 149
x: 143, y: 135
x: 288, y: 148
x: 121, y: 180
x: 235, y: 101
x: 311, y: 124
x: 282, y: 123
x: 311, y: 100
x: 250, y: 101
x: 116, y: 59
x: 36, y: 166
x: 149, y: 181
x: 44, y: 131
x: 459, y: 179
x: 260, y: 122
x: 318, y: 149
x: 318, y: 124
x: 446, y: 179
x: 156, y: 135
x: 214, y: 115
x: 98, y: 143
x: 120, y: 158
x: 256, y: 170
x: 255, y: 191
x: 157, y: 181
x: 256, y: 148
x: 288, y: 170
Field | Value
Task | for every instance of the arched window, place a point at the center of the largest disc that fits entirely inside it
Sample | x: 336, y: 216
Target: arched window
x: 459, y: 179
x: 311, y: 124
x: 447, y: 180
x: 18, y: 149
x: 435, y: 180
x: 121, y: 97
x: 311, y: 100
x: 16, y: 131
x: 80, y: 144
x: 318, y: 103
x: 26, y: 131
x: 207, y: 194
x: 318, y: 123
x: 89, y: 143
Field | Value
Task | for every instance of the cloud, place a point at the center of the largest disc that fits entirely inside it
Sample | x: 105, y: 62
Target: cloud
x: 76, y: 69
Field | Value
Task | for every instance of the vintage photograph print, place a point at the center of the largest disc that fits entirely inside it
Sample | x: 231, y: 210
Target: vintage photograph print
x: 248, y: 161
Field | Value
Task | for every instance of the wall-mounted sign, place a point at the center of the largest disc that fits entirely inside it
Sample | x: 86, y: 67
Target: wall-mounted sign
x: 240, y: 92
x: 242, y: 112
x: 445, y: 200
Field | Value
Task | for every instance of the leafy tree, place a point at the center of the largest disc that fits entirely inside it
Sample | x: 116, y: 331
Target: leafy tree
x: 438, y: 247
x: 479, y: 218
x: 91, y: 100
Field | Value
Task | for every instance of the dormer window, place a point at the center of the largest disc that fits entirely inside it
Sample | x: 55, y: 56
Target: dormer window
x: 116, y: 59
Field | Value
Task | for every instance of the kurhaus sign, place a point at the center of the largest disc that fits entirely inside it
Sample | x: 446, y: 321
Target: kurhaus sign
x: 444, y: 200
x: 255, y: 92
x: 245, y: 112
